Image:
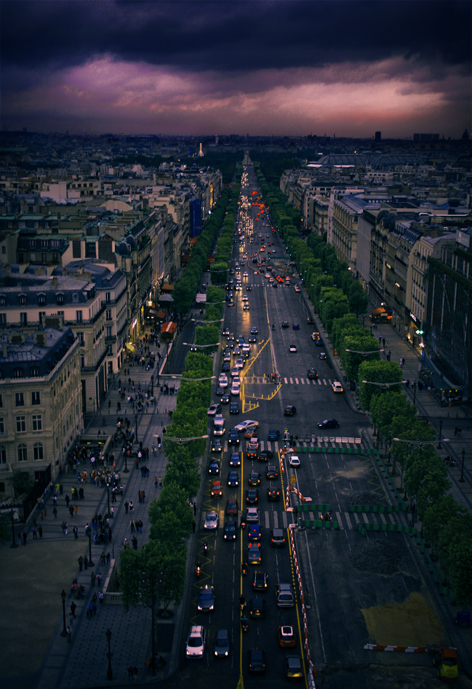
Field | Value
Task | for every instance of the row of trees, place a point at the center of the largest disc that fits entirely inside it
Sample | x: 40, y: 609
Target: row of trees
x: 339, y: 300
x: 156, y: 572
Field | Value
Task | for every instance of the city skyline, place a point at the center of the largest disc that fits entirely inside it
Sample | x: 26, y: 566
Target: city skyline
x: 286, y: 67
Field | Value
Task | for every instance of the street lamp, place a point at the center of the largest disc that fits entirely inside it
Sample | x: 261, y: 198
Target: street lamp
x: 382, y: 385
x: 439, y: 447
x: 88, y: 531
x: 63, y: 596
x: 373, y: 351
x: 109, y: 654
x: 461, y: 480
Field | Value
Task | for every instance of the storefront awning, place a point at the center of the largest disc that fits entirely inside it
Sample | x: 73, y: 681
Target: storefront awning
x: 168, y: 328
x: 167, y: 288
x: 166, y: 297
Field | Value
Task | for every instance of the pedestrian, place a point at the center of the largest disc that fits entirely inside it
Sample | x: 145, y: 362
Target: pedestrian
x: 155, y: 481
x: 35, y: 535
x: 160, y: 481
x: 92, y: 578
x: 81, y: 563
x: 69, y: 634
x: 24, y: 537
x: 102, y: 558
x: 73, y: 609
x: 54, y: 511
x: 100, y: 597
x: 67, y: 500
x: 76, y: 532
x: 76, y: 511
x: 132, y: 525
x: 131, y: 506
x: 135, y: 673
x: 195, y: 507
x: 40, y: 531
x: 108, y: 558
x: 126, y: 506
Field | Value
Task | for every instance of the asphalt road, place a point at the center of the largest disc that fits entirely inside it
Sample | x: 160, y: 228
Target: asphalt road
x: 356, y: 588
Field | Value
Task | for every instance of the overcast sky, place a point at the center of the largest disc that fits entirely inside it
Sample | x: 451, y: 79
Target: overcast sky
x: 343, y: 67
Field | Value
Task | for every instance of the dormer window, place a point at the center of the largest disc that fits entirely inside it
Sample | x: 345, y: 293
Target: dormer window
x: 75, y: 297
x: 22, y: 299
x: 41, y: 299
x: 60, y: 298
x: 3, y: 300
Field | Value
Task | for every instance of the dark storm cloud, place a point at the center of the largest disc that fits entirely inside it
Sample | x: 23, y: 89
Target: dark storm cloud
x: 233, y: 36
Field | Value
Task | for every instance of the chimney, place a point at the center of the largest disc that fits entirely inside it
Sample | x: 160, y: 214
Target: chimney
x: 54, y: 283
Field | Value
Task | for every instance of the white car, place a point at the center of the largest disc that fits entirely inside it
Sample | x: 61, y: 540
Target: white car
x: 246, y: 347
x: 235, y: 372
x: 244, y: 425
x: 252, y: 515
x: 245, y: 275
x: 214, y: 409
x: 235, y: 389
x: 337, y: 387
x: 195, y: 647
x: 239, y: 363
x: 245, y: 297
x: 211, y: 521
x: 294, y: 461
x: 238, y: 287
x: 223, y: 380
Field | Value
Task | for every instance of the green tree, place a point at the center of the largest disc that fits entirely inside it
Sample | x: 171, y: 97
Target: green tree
x: 185, y: 474
x: 360, y: 341
x: 379, y: 375
x: 438, y: 516
x: 22, y: 483
x: 425, y: 477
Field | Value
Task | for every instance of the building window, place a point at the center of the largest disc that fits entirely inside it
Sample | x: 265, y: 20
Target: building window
x: 108, y: 316
x: 60, y: 298
x: 34, y: 372
x: 19, y: 399
x: 22, y: 300
x: 78, y: 316
x: 44, y: 258
x: 3, y: 454
x: 21, y: 424
x: 36, y: 397
x: 2, y: 425
x: 3, y: 318
x: 38, y: 454
x: 80, y: 337
x: 37, y: 422
x: 3, y: 300
x: 107, y: 297
x: 18, y: 373
x: 22, y: 453
x: 1, y: 400
x: 109, y: 331
x: 23, y: 318
x: 82, y: 361
x: 41, y: 299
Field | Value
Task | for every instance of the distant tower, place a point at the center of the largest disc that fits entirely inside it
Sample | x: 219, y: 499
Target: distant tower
x: 378, y: 137
x: 200, y: 152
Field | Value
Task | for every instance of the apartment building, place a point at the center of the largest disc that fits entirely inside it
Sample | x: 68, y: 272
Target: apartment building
x: 40, y: 406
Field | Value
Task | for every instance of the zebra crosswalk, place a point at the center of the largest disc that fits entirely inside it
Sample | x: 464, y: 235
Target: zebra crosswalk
x: 347, y: 521
x: 315, y: 441
x: 255, y: 380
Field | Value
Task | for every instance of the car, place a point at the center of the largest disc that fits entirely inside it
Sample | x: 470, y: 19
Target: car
x: 245, y: 297
x: 214, y: 467
x: 234, y: 408
x: 319, y: 343
x: 230, y: 531
x: 273, y: 435
x: 315, y: 336
x: 285, y: 324
x: 259, y: 582
x: 268, y: 275
x: 251, y: 433
x: 226, y: 366
x: 216, y: 445
x: 235, y: 374
x: 290, y: 410
x: 272, y: 472
x: 265, y: 455
x: 233, y: 479
x: 232, y: 507
x: 252, y: 496
x: 221, y: 647
x: 220, y: 391
x: 245, y: 275
x: 257, y: 608
x: 293, y: 667
x: 292, y: 348
x: 254, y: 330
x: 239, y: 363
x: 337, y: 387
x: 277, y: 538
x: 244, y: 425
x: 312, y: 374
x: 216, y: 490
x: 246, y: 348
x: 225, y: 399
x: 286, y: 636
x: 329, y: 423
x: 237, y: 350
x: 296, y: 288
x: 230, y: 303
x: 233, y: 437
x: 235, y: 389
x: 231, y: 271
x: 206, y: 599
x: 294, y: 460
x: 284, y: 596
x: 214, y: 409
x: 223, y: 380
x: 273, y: 494
x: 296, y: 326
x: 211, y: 521
x: 252, y: 339
x: 195, y: 647
x: 254, y: 478
x: 254, y: 554
x: 256, y: 661
x: 226, y: 332
x: 254, y: 532
x: 252, y: 515
x: 235, y: 459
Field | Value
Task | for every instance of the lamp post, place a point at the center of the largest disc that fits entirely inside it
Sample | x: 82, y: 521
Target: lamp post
x: 14, y: 544
x: 126, y: 470
x: 89, y: 534
x: 109, y: 655
x: 439, y: 447
x: 461, y: 480
x: 63, y: 596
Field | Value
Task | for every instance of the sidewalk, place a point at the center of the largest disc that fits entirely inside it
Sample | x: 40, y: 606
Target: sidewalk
x: 53, y: 561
